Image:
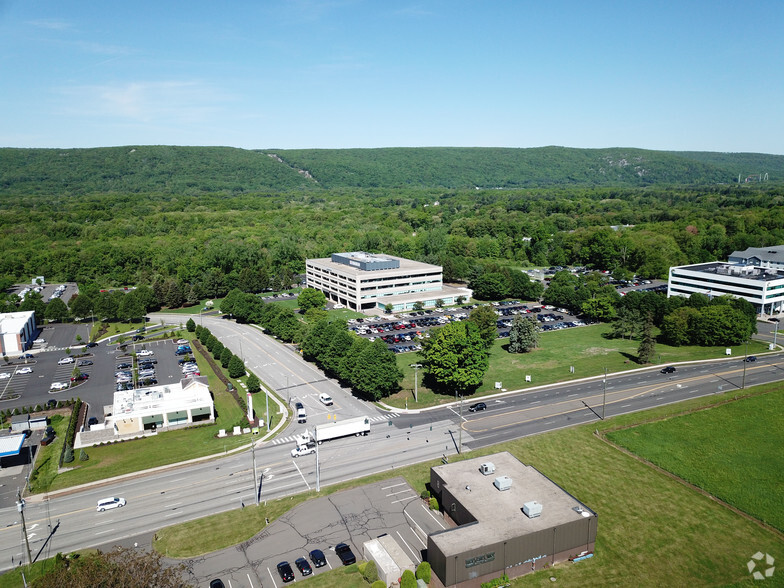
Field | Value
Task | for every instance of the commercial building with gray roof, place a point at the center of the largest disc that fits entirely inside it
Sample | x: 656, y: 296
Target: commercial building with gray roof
x: 509, y: 518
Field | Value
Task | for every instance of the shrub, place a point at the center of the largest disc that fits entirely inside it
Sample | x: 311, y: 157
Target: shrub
x: 433, y: 503
x: 425, y: 495
x: 379, y: 584
x: 253, y: 384
x: 68, y: 455
x: 502, y: 581
x: 423, y: 572
x: 408, y: 580
x: 370, y: 572
x: 83, y: 455
x: 38, y: 408
x: 190, y: 325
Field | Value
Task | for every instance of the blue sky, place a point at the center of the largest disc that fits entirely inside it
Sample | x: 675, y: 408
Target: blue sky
x: 679, y: 75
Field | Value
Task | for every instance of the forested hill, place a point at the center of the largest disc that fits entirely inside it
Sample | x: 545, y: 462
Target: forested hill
x: 195, y: 170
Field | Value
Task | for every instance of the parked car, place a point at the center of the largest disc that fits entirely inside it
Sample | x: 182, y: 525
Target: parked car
x: 303, y: 566
x: 47, y: 440
x: 5, y: 375
x: 59, y: 385
x: 317, y: 557
x: 84, y: 362
x: 27, y: 356
x: 80, y: 378
x: 25, y: 370
x: 477, y: 407
x: 285, y: 571
x: 124, y: 365
x: 182, y: 341
x: 668, y: 370
x: 65, y: 360
x: 144, y: 353
x: 216, y: 583
x: 51, y: 403
x: 345, y: 554
x: 92, y: 421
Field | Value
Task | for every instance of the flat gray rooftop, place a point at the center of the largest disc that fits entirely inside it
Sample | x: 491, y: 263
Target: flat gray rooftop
x: 406, y: 266
x: 499, y: 514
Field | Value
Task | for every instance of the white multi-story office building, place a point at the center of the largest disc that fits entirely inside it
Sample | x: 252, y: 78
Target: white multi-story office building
x: 365, y: 281
x: 756, y: 275
x: 17, y: 331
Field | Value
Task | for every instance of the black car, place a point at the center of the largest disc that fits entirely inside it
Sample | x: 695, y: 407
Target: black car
x: 345, y: 554
x: 80, y: 377
x: 217, y: 584
x: 51, y: 403
x: 91, y: 344
x: 147, y: 361
x: 84, y: 362
x: 92, y: 421
x: 47, y: 440
x: 751, y: 358
x: 138, y: 337
x: 317, y: 557
x: 285, y: 571
x: 122, y: 366
x: 303, y: 566
x: 477, y: 407
x: 668, y: 370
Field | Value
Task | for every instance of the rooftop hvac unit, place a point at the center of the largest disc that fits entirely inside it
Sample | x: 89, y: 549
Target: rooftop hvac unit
x: 532, y: 509
x: 487, y: 468
x: 503, y: 482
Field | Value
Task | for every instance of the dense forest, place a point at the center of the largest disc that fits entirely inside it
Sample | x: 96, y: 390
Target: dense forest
x: 207, y: 220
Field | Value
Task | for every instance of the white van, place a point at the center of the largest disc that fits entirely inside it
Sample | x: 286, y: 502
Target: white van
x: 302, y: 416
x: 114, y: 502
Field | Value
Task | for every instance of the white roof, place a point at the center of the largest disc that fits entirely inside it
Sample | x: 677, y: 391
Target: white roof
x: 159, y: 399
x: 11, y: 444
x: 14, y: 322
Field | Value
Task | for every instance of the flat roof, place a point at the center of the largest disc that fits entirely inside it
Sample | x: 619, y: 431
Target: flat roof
x: 13, y: 322
x: 11, y: 444
x: 192, y: 392
x: 406, y: 265
x: 734, y: 270
x: 499, y: 514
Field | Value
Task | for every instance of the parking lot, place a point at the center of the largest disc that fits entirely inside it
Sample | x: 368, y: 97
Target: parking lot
x: 354, y: 516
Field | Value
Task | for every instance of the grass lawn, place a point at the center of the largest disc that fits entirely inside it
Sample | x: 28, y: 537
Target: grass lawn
x: 653, y: 530
x: 733, y: 451
x: 584, y: 348
x: 130, y: 456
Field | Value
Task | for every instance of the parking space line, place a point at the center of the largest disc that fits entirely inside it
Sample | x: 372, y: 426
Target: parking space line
x: 250, y: 581
x: 393, y: 486
x: 416, y: 535
x: 405, y: 499
x: 415, y: 554
x: 427, y: 510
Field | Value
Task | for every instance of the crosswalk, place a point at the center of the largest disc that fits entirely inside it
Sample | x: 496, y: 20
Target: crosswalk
x: 375, y: 419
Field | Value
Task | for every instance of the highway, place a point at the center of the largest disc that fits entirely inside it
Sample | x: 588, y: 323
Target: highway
x: 187, y: 492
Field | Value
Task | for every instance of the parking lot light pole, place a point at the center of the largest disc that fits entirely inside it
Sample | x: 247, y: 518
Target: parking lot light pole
x: 416, y: 367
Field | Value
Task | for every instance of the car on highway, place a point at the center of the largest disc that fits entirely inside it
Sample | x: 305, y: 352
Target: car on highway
x: 303, y: 566
x: 345, y: 554
x: 107, y: 503
x: 25, y: 370
x: 65, y: 360
x: 477, y: 407
x: 668, y: 370
x: 137, y: 337
x: 326, y: 399
x: 303, y: 450
x: 318, y: 559
x: 84, y: 362
x: 751, y: 358
x: 285, y: 571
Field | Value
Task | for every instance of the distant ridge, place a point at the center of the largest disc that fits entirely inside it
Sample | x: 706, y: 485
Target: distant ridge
x: 194, y: 170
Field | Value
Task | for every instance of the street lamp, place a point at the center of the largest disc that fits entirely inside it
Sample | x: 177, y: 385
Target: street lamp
x: 745, y: 361
x: 416, y: 367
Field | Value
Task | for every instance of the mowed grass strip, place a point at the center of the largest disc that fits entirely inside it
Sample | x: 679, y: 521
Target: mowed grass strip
x: 733, y: 451
x: 653, y: 530
x: 584, y: 348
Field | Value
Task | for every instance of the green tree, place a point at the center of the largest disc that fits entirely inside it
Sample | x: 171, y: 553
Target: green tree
x: 524, y: 334
x: 56, y: 310
x: 236, y: 367
x: 311, y: 298
x: 677, y: 328
x: 376, y: 374
x: 131, y: 308
x: 34, y: 301
x: 408, y: 579
x: 455, y: 358
x: 648, y: 344
x: 485, y: 318
x: 523, y: 287
x: 562, y: 290
x: 721, y: 325
x: 490, y: 286
x: 370, y: 573
x: 314, y: 315
x: 423, y: 572
x: 190, y: 326
x: 226, y: 358
x: 419, y: 305
x: 388, y: 308
x: 253, y: 383
x: 81, y: 306
x: 601, y: 309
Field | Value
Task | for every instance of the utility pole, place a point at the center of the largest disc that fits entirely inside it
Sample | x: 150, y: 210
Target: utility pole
x: 745, y: 361
x: 604, y: 393
x: 460, y: 433
x: 266, y: 402
x: 416, y: 367
x: 255, y: 478
x: 20, y: 505
x: 315, y: 438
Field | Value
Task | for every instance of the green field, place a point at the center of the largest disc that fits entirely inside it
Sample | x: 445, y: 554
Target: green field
x: 584, y: 348
x: 733, y: 452
x: 653, y: 530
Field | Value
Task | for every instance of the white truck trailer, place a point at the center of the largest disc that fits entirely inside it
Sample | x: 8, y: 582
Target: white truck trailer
x: 357, y: 426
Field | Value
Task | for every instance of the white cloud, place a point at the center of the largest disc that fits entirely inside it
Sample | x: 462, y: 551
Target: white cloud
x: 51, y: 24
x: 173, y: 101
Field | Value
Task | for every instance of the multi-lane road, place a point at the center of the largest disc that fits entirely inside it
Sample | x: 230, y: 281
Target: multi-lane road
x: 178, y: 494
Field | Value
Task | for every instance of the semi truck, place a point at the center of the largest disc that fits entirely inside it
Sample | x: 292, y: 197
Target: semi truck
x: 356, y: 426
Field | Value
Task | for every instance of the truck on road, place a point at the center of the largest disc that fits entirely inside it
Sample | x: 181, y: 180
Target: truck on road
x: 356, y: 426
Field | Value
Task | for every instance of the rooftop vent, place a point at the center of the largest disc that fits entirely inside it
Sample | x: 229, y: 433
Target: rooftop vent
x: 487, y: 468
x: 503, y: 482
x: 532, y: 509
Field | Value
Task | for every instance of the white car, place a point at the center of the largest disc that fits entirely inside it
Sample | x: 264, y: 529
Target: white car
x: 325, y: 399
x: 4, y: 375
x: 65, y: 360
x: 25, y: 370
x: 59, y: 385
x: 303, y: 450
x: 113, y: 502
x: 144, y: 353
x: 182, y: 341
